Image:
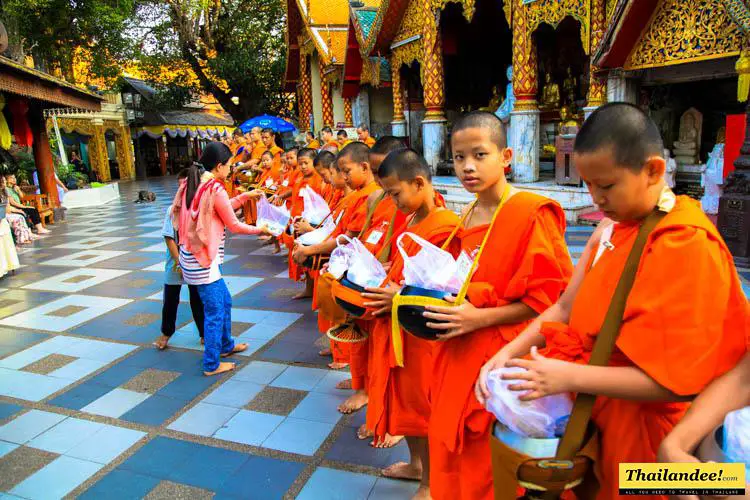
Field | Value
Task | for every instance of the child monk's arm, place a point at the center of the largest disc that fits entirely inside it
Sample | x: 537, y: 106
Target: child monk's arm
x: 559, y: 312
x: 727, y: 393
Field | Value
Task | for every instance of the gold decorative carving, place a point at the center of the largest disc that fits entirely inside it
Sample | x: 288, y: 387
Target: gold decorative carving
x: 406, y: 54
x: 524, y: 60
x: 348, y: 119
x: 553, y: 12
x: 326, y: 100
x: 411, y: 23
x: 98, y: 153
x: 610, y: 9
x: 508, y: 11
x: 432, y: 72
x: 469, y: 6
x: 398, y: 96
x: 597, y: 83
x: 684, y: 31
x: 306, y: 100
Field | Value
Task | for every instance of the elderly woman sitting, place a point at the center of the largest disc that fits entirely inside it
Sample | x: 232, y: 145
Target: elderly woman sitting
x: 17, y: 207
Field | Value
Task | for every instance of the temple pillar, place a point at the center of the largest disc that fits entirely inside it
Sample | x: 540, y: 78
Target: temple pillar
x: 621, y: 89
x: 597, y: 82
x: 434, y: 124
x: 398, y: 125
x: 124, y: 157
x: 524, y: 119
x: 98, y: 152
x: 361, y: 108
x: 326, y: 100
x: 305, y: 103
x: 348, y: 120
x: 45, y: 165
x: 161, y: 148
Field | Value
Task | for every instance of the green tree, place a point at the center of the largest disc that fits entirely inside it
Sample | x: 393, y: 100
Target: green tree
x: 55, y: 30
x: 235, y: 48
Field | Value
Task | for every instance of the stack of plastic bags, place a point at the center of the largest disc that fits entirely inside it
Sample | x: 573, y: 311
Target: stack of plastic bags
x: 318, y: 235
x: 274, y: 218
x: 315, y: 208
x: 354, y: 259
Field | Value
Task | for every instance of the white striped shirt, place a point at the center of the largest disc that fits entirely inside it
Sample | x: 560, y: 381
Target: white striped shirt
x: 194, y: 274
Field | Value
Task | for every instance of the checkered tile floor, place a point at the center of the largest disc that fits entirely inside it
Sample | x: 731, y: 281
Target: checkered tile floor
x: 89, y: 408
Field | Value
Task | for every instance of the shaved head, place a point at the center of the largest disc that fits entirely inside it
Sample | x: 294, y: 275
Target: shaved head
x: 485, y: 120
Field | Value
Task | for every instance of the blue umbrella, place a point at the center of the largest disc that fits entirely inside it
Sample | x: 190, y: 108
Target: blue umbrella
x: 267, y: 121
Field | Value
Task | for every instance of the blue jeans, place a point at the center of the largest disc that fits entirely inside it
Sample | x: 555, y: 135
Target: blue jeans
x: 217, y: 329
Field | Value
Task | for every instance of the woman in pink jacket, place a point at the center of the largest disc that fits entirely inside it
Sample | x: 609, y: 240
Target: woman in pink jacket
x: 202, y: 212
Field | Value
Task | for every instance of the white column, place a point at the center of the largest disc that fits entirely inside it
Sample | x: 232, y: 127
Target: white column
x: 361, y: 108
x: 621, y: 89
x: 434, y: 132
x: 524, y: 133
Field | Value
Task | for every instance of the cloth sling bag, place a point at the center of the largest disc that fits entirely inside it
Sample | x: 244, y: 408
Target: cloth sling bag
x: 549, y: 477
x: 416, y: 300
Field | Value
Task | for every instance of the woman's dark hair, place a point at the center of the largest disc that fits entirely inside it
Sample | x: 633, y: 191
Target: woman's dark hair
x: 215, y: 153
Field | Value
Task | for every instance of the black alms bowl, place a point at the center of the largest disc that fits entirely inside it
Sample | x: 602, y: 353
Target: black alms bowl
x: 411, y: 318
x: 353, y: 309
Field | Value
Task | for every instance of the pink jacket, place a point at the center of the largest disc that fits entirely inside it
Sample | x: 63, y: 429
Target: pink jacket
x: 201, y: 226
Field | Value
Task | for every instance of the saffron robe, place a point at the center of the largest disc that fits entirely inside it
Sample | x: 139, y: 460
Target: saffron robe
x: 525, y: 260
x: 314, y: 144
x: 330, y: 314
x: 399, y: 401
x: 370, y: 141
x: 315, y: 182
x: 685, y: 323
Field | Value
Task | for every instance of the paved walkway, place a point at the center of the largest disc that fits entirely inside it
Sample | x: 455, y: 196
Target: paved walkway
x: 89, y: 408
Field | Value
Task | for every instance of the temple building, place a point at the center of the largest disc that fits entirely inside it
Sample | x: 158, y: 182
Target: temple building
x: 541, y: 65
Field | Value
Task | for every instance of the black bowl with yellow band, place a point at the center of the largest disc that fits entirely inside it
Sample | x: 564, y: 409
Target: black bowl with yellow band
x: 411, y: 317
x: 348, y: 296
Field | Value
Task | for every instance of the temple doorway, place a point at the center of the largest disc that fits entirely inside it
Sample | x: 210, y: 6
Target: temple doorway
x: 411, y: 82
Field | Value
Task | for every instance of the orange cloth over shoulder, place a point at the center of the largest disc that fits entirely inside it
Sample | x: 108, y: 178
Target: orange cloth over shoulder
x: 399, y: 401
x: 257, y: 150
x: 685, y: 323
x: 532, y: 267
x: 314, y: 144
x: 370, y: 141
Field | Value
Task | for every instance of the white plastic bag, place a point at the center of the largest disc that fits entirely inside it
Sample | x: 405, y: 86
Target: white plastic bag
x: 737, y: 437
x: 274, y: 218
x: 542, y: 418
x: 318, y: 235
x: 432, y: 267
x: 315, y: 207
x: 361, y: 267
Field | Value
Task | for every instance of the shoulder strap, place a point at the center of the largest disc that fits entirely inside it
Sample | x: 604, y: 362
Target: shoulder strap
x: 575, y: 432
x: 370, y: 212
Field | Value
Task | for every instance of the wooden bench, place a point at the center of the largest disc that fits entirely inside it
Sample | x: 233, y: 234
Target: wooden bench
x: 41, y: 203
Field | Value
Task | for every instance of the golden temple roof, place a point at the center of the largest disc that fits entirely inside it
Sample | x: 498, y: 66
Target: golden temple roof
x: 327, y: 22
x: 331, y: 43
x: 324, y: 12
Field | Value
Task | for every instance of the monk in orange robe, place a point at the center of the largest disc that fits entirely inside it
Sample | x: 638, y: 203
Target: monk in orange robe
x: 308, y: 178
x: 678, y: 333
x: 269, y: 141
x: 312, y: 142
x: 328, y: 139
x: 383, y: 215
x: 353, y: 161
x: 399, y: 396
x: 522, y: 268
x: 363, y: 133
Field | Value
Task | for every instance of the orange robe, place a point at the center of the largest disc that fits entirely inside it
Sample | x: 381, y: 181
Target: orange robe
x: 533, y: 267
x: 333, y: 143
x: 315, y: 181
x: 258, y: 149
x: 685, y: 323
x: 314, y: 144
x: 370, y: 141
x: 329, y: 314
x: 399, y: 397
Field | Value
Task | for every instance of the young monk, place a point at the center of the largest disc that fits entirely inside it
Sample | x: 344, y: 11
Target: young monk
x: 363, y: 133
x: 324, y: 167
x: 328, y: 140
x: 308, y: 178
x: 383, y: 215
x: 399, y: 396
x: 312, y: 142
x: 353, y: 161
x: 342, y: 138
x: 677, y: 333
x: 522, y: 270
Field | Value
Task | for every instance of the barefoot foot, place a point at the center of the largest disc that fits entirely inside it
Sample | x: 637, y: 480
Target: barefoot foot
x: 344, y: 384
x: 223, y: 368
x: 237, y: 348
x: 387, y: 442
x: 324, y: 352
x: 402, y: 470
x: 355, y: 402
x: 337, y: 366
x: 364, y: 433
x: 302, y: 295
x: 422, y: 493
x: 162, y: 342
